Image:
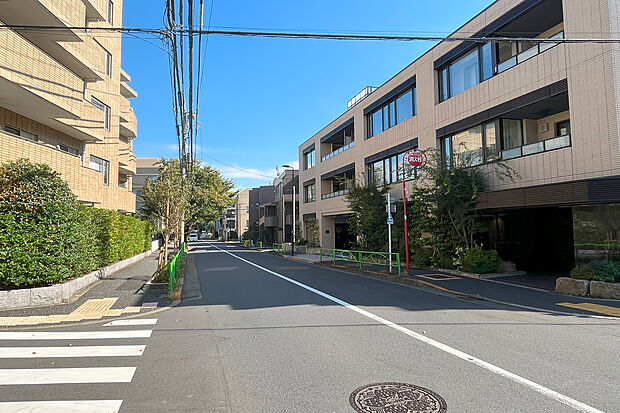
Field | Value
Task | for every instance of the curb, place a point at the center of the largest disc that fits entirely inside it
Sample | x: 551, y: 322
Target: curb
x: 62, y: 293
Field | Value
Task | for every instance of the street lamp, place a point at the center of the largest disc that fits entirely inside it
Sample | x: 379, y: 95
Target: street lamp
x: 284, y: 229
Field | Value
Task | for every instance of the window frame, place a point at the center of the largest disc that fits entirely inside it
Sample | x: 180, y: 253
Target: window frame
x: 110, y: 12
x: 108, y: 62
x: 29, y: 136
x: 312, y: 188
x: 444, y: 74
x: 106, y: 111
x: 104, y: 167
x: 391, y: 109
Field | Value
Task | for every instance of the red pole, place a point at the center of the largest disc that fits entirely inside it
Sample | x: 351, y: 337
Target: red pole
x: 405, y: 212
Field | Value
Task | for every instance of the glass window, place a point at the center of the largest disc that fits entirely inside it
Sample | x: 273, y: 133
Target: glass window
x: 106, y: 111
x: 486, y: 57
x: 378, y: 173
x: 310, y: 193
x: 102, y: 166
x: 22, y: 133
x: 447, y: 151
x: 490, y: 137
x: 506, y: 51
x: 309, y: 159
x: 68, y: 149
x: 443, y: 85
x: 393, y: 169
x: 404, y: 107
x: 386, y: 171
x: 464, y: 74
x: 563, y: 128
x: 415, y: 101
x: 377, y: 123
x: 392, y: 113
x: 110, y: 16
x: 386, y: 118
x: 512, y: 136
x: 409, y: 170
x: 468, y: 146
x: 108, y: 63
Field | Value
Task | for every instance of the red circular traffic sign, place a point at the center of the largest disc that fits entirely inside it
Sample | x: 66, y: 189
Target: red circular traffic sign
x: 415, y: 158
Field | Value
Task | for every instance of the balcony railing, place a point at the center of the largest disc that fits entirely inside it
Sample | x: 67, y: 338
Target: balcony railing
x: 337, y: 151
x: 335, y: 194
x: 529, y: 53
x: 537, y: 147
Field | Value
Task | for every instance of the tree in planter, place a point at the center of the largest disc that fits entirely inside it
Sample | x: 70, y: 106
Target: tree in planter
x: 312, y: 233
x: 445, y: 199
x: 368, y: 221
x: 166, y: 199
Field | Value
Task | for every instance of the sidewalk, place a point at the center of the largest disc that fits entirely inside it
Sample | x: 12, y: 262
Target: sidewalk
x: 122, y: 293
x: 534, y: 292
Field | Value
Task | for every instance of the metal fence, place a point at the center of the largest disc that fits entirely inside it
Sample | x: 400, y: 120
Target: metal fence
x: 173, y: 268
x: 362, y: 257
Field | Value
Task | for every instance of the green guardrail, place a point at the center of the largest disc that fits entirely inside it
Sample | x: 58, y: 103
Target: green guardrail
x: 362, y: 257
x: 278, y: 247
x: 259, y: 244
x: 173, y: 268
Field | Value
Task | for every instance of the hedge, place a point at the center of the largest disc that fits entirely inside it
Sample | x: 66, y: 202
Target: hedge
x: 47, y: 236
x: 480, y: 261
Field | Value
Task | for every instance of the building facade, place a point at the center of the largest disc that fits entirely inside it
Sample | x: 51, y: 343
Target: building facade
x: 549, y: 109
x: 146, y: 168
x: 242, y: 212
x: 276, y: 215
x: 64, y: 98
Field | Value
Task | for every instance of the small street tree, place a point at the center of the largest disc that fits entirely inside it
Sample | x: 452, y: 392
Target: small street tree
x: 210, y: 194
x: 368, y: 221
x: 166, y: 199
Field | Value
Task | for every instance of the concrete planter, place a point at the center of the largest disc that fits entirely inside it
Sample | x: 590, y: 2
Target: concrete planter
x: 572, y: 286
x: 60, y: 293
x: 601, y: 289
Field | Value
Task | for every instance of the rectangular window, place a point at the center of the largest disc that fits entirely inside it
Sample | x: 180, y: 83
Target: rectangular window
x: 464, y: 73
x: 309, y: 159
x: 310, y: 193
x: 22, y: 133
x: 404, y: 107
x: 102, y: 166
x: 443, y: 85
x: 392, y: 113
x: 106, y: 111
x: 446, y: 147
x: 410, y: 171
x: 378, y: 173
x: 562, y: 128
x: 486, y: 61
x: 68, y: 149
x: 108, y: 63
x: 110, y: 16
x: 490, y: 139
x: 467, y: 146
x: 512, y: 135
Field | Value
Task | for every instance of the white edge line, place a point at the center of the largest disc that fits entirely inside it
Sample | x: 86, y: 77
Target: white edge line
x: 73, y: 351
x: 575, y: 404
x: 62, y: 406
x: 74, y: 335
x: 72, y: 375
x: 132, y: 322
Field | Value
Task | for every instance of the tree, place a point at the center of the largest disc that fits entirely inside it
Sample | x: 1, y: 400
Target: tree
x: 166, y: 199
x: 368, y: 221
x: 210, y: 194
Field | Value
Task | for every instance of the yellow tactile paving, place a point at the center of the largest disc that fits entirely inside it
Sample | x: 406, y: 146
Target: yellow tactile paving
x: 437, y: 277
x: 91, y: 310
x: 595, y: 308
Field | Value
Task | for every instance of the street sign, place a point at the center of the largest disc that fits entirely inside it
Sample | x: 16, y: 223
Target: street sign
x: 390, y: 220
x: 390, y: 208
x: 415, y: 158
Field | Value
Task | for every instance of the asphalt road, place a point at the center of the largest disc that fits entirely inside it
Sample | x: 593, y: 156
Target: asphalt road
x: 261, y: 333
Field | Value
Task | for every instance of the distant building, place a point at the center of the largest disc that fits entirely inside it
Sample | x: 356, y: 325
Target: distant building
x: 276, y: 215
x: 242, y: 208
x: 146, y: 168
x: 64, y: 98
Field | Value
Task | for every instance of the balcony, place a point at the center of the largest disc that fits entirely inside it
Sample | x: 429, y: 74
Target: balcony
x: 38, y: 87
x: 338, y: 141
x: 128, y: 122
x: 538, y: 147
x: 127, y: 91
x: 337, y: 151
x: 529, y: 53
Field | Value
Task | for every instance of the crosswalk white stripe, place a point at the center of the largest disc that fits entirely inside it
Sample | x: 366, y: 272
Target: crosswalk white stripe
x: 73, y: 351
x: 69, y: 406
x: 73, y: 335
x: 132, y: 322
x: 66, y: 375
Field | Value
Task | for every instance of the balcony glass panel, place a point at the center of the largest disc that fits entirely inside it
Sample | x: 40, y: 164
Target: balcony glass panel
x: 533, y: 148
x: 507, y: 64
x: 557, y: 143
x: 511, y: 153
x: 527, y: 54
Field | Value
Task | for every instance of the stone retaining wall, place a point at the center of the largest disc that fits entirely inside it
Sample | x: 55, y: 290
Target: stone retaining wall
x: 583, y: 288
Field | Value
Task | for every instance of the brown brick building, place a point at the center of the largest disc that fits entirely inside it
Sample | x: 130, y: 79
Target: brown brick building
x: 64, y: 98
x: 551, y: 110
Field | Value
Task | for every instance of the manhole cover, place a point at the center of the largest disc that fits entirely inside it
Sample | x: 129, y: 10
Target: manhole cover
x: 396, y: 398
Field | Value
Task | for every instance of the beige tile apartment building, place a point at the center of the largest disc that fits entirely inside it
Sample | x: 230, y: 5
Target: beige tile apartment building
x: 64, y: 98
x: 550, y: 110
x: 242, y: 212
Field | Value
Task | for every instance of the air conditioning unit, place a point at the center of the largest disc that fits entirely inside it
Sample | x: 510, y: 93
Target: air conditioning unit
x: 543, y: 127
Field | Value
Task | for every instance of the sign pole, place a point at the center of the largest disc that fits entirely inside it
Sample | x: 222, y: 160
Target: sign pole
x: 405, y: 213
x: 389, y: 196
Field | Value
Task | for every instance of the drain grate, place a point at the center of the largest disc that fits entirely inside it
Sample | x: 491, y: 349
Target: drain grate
x: 396, y: 398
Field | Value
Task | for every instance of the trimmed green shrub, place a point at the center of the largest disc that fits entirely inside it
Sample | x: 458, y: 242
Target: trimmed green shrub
x: 47, y: 236
x: 583, y: 272
x: 422, y: 257
x: 605, y: 270
x: 480, y: 261
x: 44, y: 234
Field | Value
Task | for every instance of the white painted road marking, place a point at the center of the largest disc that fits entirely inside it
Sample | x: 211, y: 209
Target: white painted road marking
x: 73, y: 351
x: 73, y: 335
x: 66, y: 375
x: 132, y: 322
x: 575, y: 404
x: 72, y: 406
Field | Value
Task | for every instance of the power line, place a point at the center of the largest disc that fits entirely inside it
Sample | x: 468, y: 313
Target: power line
x: 239, y: 169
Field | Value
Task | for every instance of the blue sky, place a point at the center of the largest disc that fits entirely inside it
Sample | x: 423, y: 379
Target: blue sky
x: 262, y: 97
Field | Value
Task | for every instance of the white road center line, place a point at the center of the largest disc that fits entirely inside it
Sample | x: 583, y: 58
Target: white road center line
x: 69, y: 406
x: 73, y: 335
x: 132, y: 322
x: 575, y: 404
x: 66, y: 375
x: 73, y: 351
